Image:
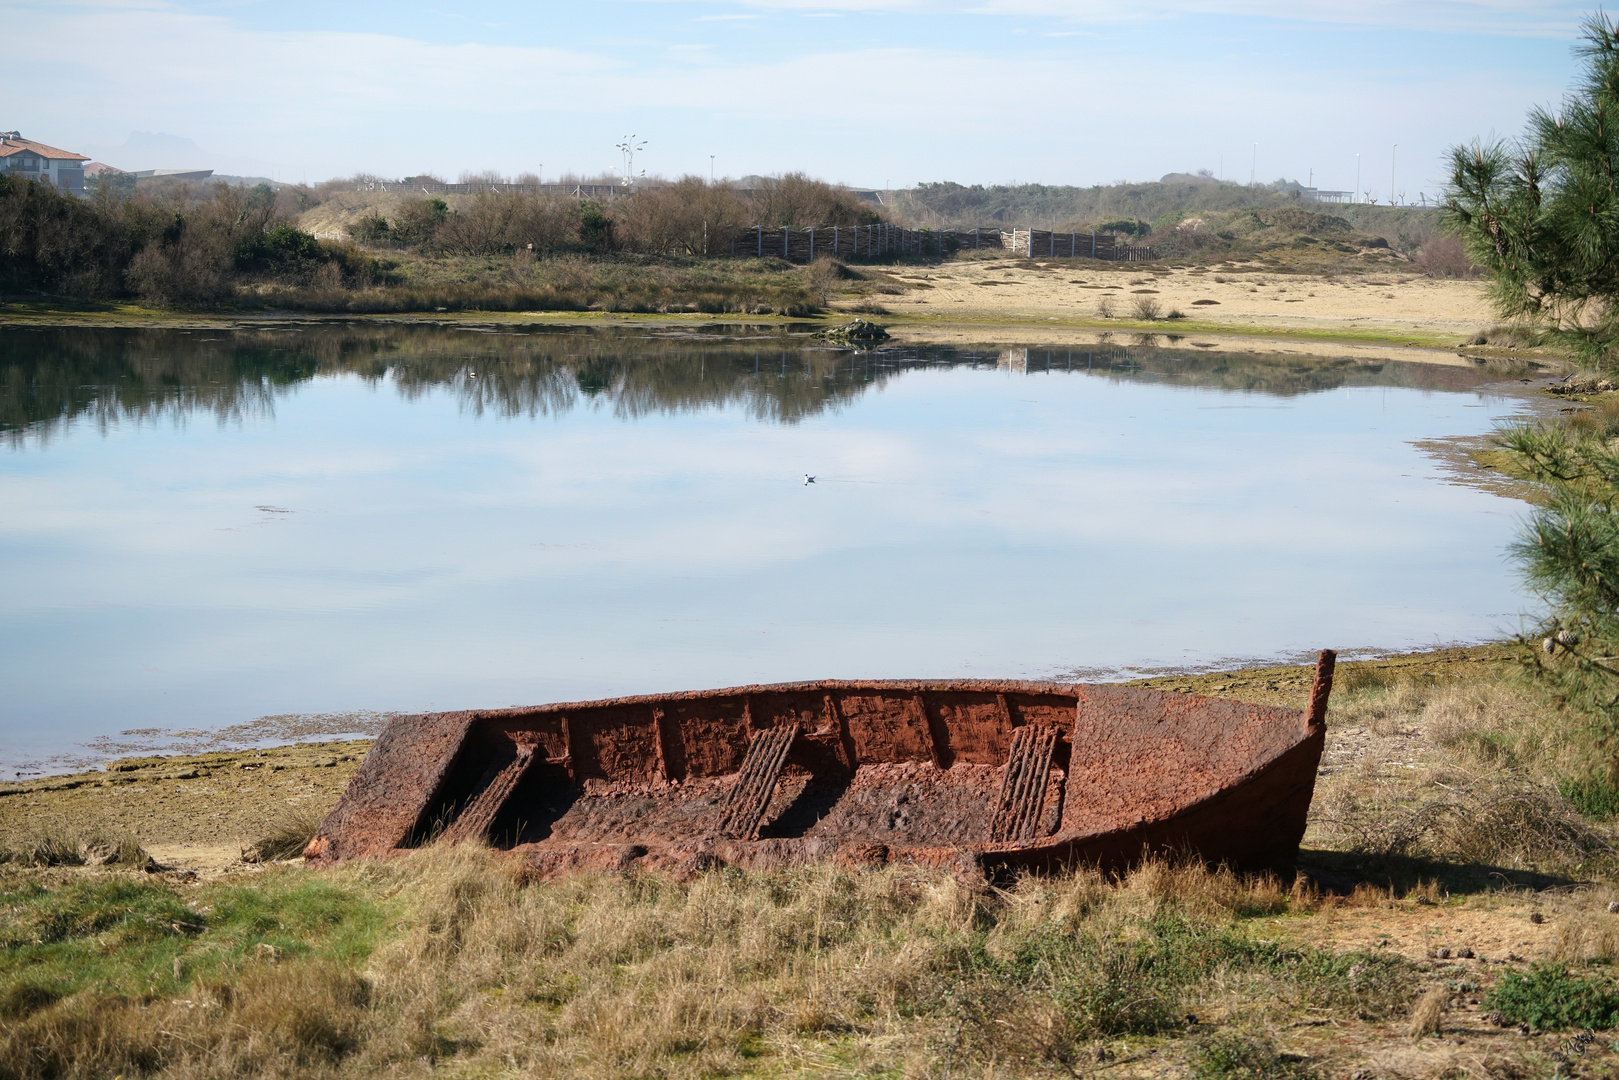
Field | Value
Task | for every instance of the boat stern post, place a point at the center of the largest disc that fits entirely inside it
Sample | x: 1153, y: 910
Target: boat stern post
x: 1321, y: 689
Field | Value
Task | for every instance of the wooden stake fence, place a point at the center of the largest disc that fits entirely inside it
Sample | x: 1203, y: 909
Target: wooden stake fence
x: 886, y: 241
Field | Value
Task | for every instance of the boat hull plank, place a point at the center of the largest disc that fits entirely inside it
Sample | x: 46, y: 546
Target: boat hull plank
x: 1140, y: 756
x: 390, y: 793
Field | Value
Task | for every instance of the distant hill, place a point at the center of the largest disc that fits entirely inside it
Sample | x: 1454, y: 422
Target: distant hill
x: 1148, y: 209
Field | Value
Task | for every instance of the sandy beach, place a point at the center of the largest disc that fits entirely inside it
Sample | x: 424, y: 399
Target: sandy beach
x: 985, y: 296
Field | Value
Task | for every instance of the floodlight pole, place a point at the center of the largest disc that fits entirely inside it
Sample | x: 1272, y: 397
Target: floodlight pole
x: 628, y: 147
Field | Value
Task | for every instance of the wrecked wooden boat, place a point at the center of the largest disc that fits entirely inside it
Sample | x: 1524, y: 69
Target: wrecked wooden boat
x: 980, y: 776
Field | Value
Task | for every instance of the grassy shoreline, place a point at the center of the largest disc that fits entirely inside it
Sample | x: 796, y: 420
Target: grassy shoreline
x: 904, y: 328
x: 1450, y: 905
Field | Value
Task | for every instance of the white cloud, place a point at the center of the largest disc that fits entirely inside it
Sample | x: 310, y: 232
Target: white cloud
x: 327, y: 102
x: 1502, y: 16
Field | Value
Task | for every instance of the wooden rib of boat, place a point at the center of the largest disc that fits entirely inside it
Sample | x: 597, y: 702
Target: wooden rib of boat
x: 977, y: 775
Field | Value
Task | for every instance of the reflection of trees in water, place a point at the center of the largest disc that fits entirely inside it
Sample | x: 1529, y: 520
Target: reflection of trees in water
x: 51, y: 377
x: 1277, y: 375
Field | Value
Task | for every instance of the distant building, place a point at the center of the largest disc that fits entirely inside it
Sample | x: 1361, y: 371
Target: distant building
x: 172, y: 174
x: 36, y: 161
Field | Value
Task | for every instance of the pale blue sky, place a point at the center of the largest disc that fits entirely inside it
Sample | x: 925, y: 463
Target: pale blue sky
x: 869, y: 92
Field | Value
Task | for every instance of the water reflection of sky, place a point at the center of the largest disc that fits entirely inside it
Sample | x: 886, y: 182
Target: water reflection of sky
x: 358, y: 548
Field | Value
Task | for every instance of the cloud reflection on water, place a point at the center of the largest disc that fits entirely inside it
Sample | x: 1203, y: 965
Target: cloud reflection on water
x: 479, y: 520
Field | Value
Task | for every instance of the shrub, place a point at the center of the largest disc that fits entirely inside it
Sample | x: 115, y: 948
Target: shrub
x: 799, y: 202
x: 287, y: 838
x: 281, y: 247
x: 1128, y: 226
x: 1549, y: 998
x: 690, y: 217
x: 1596, y: 797
x: 371, y: 228
x: 191, y: 264
x: 51, y: 241
x: 595, y: 227
x: 495, y: 223
x: 1445, y: 257
x: 1235, y: 1055
x: 1146, y: 308
x: 418, y: 221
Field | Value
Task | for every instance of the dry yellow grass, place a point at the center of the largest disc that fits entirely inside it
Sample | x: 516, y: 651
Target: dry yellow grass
x: 815, y: 970
x: 1465, y: 771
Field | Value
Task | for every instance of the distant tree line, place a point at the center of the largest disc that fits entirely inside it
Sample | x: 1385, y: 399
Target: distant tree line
x: 179, y: 244
x: 689, y: 216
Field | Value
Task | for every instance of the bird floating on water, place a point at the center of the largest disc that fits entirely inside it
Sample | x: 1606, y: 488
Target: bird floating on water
x: 808, y: 479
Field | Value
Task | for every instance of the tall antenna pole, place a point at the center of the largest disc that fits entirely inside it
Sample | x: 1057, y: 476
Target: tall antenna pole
x: 711, y: 168
x: 1393, y: 156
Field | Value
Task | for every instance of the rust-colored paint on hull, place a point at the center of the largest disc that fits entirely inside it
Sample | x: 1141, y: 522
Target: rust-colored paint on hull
x: 871, y: 772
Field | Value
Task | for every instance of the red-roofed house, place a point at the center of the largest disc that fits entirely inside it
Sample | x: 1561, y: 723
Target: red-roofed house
x: 36, y: 161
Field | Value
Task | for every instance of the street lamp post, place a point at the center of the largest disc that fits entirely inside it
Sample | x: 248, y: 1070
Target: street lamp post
x: 628, y: 148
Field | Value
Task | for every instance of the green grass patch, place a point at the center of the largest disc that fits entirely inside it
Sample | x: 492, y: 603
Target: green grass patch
x: 1138, y: 979
x: 1594, y: 798
x: 1547, y: 997
x: 123, y: 934
x: 1237, y: 1055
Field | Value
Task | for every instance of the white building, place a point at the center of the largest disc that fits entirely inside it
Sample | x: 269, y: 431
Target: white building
x: 36, y: 161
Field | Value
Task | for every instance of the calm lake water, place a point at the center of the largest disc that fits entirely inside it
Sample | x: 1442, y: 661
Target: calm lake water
x: 315, y: 525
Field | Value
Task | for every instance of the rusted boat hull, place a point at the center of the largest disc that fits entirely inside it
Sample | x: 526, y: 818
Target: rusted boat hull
x: 975, y: 775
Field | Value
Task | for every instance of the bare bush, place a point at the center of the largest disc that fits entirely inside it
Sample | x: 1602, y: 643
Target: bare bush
x: 493, y: 223
x: 1445, y: 257
x: 1146, y: 308
x: 690, y: 216
x: 194, y: 258
x: 798, y: 202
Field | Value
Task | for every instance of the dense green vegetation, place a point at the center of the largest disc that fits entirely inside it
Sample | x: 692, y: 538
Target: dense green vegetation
x: 1548, y: 997
x: 173, y: 247
x: 1542, y: 214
